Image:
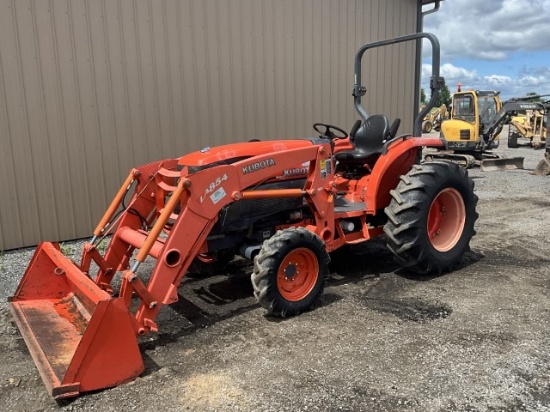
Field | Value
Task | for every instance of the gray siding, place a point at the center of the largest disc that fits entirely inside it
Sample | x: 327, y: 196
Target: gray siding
x: 90, y: 88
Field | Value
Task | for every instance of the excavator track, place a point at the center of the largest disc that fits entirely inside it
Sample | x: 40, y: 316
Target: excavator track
x: 463, y: 160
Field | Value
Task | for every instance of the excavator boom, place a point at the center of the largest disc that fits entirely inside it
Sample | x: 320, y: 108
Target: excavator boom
x: 493, y: 128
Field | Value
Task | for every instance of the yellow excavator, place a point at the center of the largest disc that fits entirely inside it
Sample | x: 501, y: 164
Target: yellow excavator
x: 473, y: 130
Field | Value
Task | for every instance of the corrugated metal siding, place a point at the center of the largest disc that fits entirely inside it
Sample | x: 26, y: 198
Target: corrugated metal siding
x: 90, y: 88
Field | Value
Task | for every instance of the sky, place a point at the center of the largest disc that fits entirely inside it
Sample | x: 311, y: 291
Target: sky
x: 499, y: 45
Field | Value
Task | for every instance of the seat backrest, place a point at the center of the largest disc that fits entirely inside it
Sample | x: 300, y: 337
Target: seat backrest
x: 371, y: 135
x: 394, y: 128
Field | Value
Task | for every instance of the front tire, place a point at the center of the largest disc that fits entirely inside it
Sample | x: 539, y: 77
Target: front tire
x: 431, y: 217
x: 513, y: 140
x: 290, y: 272
x: 427, y: 126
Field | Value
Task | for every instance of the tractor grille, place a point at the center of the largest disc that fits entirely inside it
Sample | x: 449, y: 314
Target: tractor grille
x: 242, y: 215
x: 260, y: 207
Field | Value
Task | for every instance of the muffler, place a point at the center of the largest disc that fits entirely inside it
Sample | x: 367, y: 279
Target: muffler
x: 81, y: 338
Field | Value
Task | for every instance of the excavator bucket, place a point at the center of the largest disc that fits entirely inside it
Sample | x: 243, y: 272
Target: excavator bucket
x: 512, y: 163
x: 543, y: 168
x: 80, y: 337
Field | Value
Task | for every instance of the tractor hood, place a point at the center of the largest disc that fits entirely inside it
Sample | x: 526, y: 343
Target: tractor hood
x: 210, y: 156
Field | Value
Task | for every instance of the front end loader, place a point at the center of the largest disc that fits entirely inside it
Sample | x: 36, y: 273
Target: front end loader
x: 434, y: 118
x: 530, y: 126
x: 284, y: 204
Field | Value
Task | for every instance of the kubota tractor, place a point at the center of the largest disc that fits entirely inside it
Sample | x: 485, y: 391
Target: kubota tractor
x: 285, y: 204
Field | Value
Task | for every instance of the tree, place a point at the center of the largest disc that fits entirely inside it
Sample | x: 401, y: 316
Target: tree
x: 533, y: 97
x: 444, y: 97
x: 423, y: 96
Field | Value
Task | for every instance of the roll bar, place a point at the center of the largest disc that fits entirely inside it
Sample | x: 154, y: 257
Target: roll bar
x: 436, y: 82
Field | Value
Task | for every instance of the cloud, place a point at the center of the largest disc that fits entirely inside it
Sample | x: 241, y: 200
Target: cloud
x: 490, y: 29
x: 498, y: 80
x: 452, y: 74
x: 493, y: 45
x: 534, y: 79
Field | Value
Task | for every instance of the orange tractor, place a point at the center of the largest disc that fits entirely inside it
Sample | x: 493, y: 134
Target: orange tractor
x: 285, y: 204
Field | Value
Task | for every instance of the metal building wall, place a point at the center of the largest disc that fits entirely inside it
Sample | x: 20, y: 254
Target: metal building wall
x: 90, y: 88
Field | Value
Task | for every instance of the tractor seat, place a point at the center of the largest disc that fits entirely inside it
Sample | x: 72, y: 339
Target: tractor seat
x: 368, y: 141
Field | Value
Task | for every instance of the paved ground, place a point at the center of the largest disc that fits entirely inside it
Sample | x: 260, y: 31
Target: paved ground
x: 476, y: 339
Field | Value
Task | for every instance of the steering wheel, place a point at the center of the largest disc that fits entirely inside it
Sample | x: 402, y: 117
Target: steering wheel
x: 328, y: 132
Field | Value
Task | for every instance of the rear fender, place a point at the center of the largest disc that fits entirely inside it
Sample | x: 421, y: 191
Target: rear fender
x: 400, y: 156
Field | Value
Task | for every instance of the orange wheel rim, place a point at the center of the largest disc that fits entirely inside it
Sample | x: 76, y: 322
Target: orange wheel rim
x: 446, y: 219
x: 297, y: 274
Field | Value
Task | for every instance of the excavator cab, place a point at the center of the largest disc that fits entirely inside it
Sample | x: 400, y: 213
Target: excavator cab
x: 472, y: 112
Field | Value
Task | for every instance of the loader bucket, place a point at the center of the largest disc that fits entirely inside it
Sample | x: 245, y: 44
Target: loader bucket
x: 512, y: 163
x: 80, y: 338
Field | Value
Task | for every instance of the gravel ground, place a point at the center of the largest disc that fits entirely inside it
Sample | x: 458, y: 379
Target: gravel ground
x: 380, y: 339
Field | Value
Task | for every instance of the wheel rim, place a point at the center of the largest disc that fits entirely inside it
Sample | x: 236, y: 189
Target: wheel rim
x: 446, y: 219
x: 297, y: 274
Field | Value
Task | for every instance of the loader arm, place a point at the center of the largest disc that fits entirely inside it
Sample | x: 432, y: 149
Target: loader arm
x: 523, y: 129
x: 208, y: 191
x: 80, y: 332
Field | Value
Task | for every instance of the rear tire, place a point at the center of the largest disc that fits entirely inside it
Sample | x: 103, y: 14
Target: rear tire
x: 431, y: 217
x: 290, y: 272
x: 513, y: 140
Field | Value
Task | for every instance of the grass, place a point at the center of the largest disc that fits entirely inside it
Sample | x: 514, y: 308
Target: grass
x: 67, y: 250
x: 102, y: 246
